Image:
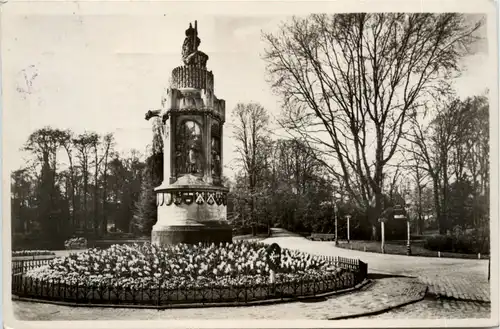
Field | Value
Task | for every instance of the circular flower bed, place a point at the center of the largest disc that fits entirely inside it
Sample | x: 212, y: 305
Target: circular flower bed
x: 182, y: 265
x: 182, y: 275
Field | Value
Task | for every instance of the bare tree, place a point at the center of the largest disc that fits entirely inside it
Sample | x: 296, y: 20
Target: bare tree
x: 350, y: 82
x: 250, y: 132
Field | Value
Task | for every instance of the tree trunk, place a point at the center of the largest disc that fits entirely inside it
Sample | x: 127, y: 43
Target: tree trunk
x: 374, y: 232
x: 437, y: 204
x: 444, y: 208
x: 104, y: 230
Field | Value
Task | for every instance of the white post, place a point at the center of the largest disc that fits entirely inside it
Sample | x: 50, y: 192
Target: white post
x: 382, y: 231
x: 272, y: 276
x: 408, y: 242
x: 336, y: 230
x: 479, y: 256
x: 408, y: 230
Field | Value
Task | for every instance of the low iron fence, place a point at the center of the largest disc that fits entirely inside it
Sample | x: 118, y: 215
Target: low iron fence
x: 107, y: 294
x: 21, y: 266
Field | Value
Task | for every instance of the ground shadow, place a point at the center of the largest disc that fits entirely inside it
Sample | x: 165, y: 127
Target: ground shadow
x: 314, y: 300
x: 375, y: 276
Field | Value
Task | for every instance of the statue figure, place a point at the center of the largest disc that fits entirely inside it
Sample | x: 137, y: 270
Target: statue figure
x: 190, y: 53
x: 215, y: 158
x: 191, y: 42
x: 178, y: 159
x: 192, y: 165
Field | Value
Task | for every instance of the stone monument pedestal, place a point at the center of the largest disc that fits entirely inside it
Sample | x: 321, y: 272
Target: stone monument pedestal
x: 191, y: 214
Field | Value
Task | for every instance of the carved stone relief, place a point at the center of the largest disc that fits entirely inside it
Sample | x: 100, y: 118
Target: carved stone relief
x: 188, y: 148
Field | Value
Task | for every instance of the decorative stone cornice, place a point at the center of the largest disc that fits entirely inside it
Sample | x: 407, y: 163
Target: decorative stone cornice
x: 200, y: 197
x: 195, y: 111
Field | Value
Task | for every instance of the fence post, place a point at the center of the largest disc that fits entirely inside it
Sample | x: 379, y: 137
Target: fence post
x: 489, y: 262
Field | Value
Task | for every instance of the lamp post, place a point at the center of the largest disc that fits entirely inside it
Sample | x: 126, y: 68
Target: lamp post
x: 408, y: 205
x: 402, y: 213
x: 348, y: 217
x: 382, y: 221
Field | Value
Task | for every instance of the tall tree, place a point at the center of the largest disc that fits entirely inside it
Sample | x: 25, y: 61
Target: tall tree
x: 351, y: 81
x: 145, y: 213
x: 108, y: 150
x: 444, y: 149
x: 251, y: 134
x: 84, y: 144
x: 44, y: 144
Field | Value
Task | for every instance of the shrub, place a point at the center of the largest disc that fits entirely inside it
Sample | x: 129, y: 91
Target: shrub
x: 33, y: 241
x: 244, y: 230
x: 76, y: 243
x: 460, y: 242
x: 438, y: 243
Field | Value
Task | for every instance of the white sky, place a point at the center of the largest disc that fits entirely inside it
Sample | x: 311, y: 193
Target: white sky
x: 102, y: 73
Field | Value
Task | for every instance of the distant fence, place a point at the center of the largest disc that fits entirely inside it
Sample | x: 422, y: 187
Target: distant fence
x: 106, y: 294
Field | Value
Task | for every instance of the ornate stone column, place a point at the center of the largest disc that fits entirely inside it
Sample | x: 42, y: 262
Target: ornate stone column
x: 191, y: 204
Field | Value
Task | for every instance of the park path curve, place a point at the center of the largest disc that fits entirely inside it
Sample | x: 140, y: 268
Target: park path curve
x: 461, y: 279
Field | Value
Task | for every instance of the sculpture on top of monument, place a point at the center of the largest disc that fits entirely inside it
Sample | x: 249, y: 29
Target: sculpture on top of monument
x: 190, y: 53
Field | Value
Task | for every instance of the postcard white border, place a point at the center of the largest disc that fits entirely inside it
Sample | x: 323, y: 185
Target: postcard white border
x: 249, y: 8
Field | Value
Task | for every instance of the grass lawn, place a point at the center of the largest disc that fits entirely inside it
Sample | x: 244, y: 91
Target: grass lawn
x: 399, y: 248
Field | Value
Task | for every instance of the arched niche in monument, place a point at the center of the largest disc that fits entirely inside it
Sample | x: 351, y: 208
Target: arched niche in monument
x: 215, y: 134
x: 189, y: 148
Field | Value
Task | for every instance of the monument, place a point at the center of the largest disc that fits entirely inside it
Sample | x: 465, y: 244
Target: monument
x: 191, y: 200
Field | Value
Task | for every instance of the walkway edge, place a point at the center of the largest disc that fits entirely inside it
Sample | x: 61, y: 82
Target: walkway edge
x: 467, y: 300
x: 200, y: 305
x: 381, y: 310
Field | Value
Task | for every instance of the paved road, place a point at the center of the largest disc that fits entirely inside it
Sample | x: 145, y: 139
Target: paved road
x: 465, y: 279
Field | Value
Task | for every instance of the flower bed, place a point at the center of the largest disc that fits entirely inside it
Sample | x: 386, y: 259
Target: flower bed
x: 148, y: 274
x: 26, y: 253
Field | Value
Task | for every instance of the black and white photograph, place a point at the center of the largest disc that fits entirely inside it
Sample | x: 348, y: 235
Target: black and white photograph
x: 226, y: 164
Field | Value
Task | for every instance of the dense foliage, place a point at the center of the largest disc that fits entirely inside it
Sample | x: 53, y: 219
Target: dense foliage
x: 179, y: 265
x: 74, y: 184
x: 465, y: 242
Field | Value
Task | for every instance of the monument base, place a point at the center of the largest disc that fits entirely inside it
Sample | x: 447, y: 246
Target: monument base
x: 192, y: 234
x: 191, y: 213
